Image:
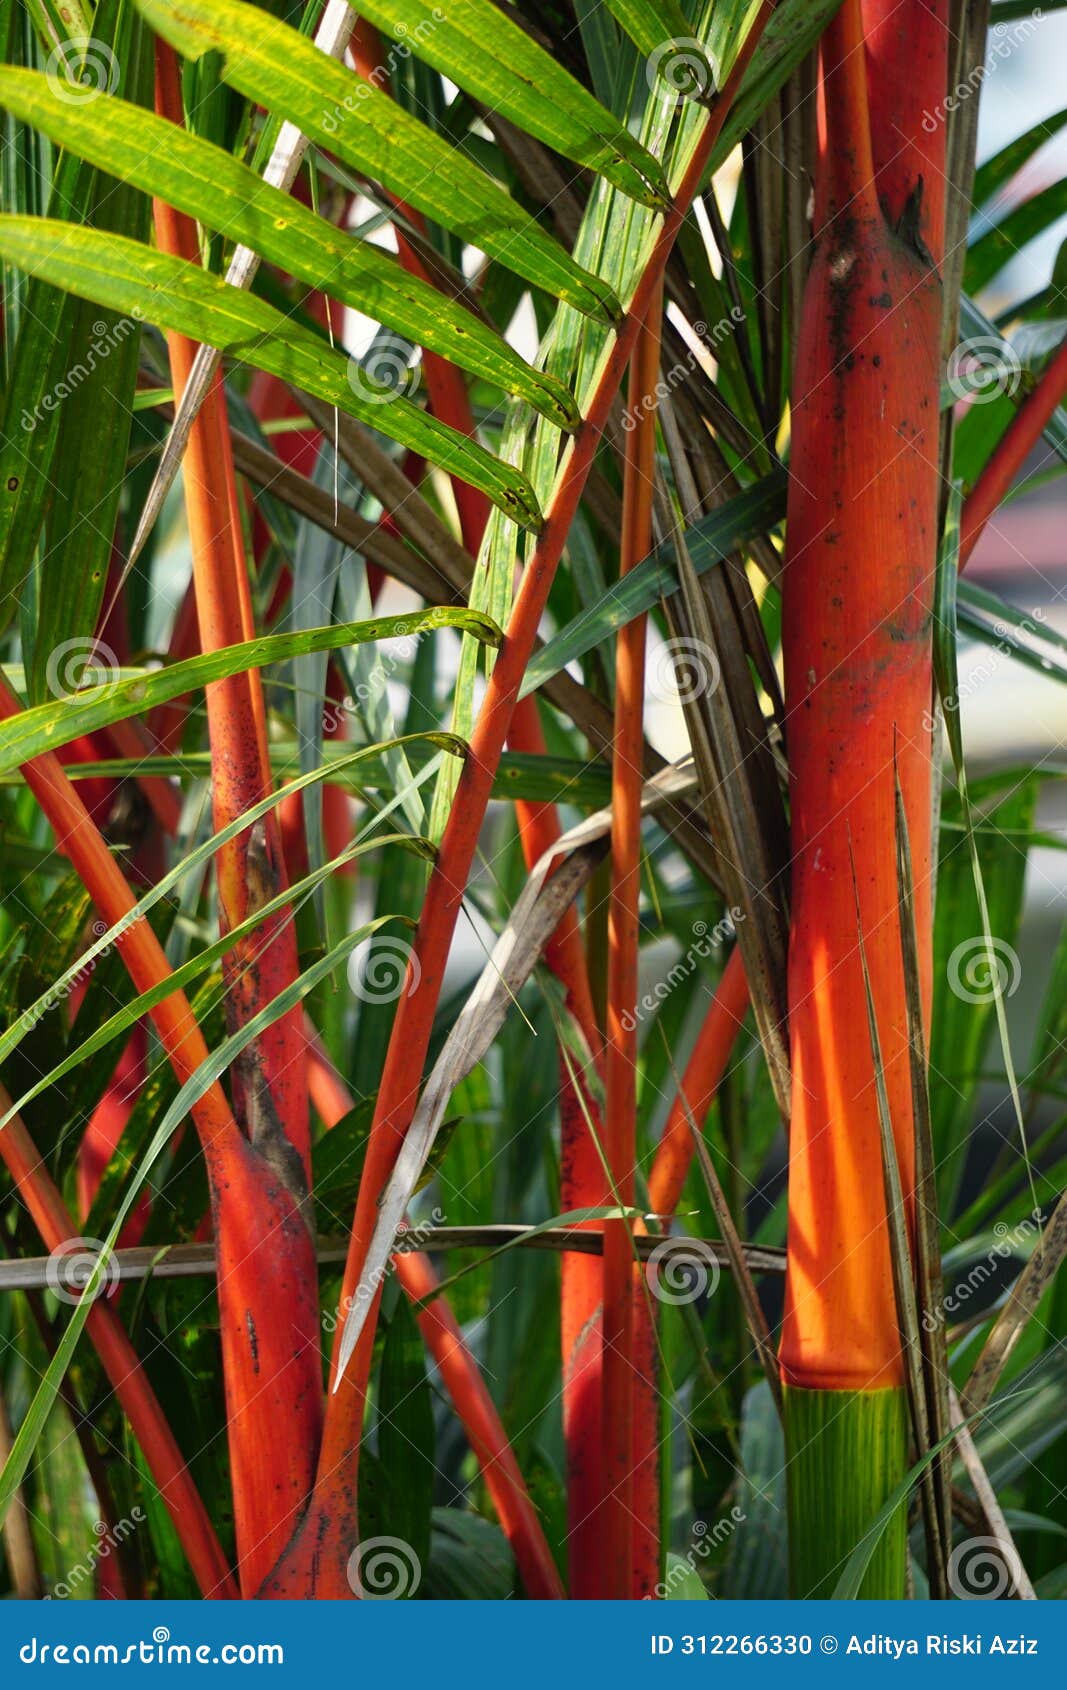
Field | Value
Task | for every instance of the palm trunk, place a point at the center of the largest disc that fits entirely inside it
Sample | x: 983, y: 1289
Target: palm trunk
x: 274, y: 1383
x: 857, y: 607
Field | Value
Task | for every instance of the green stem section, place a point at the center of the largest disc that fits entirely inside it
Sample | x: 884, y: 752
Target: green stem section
x: 846, y: 1451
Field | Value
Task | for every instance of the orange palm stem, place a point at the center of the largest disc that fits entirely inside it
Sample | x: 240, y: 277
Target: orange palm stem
x: 249, y: 867
x: 269, y: 1081
x: 857, y: 603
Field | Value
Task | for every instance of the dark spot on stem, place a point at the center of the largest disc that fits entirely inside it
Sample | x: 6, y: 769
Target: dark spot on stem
x: 908, y: 229
x: 253, y: 1341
